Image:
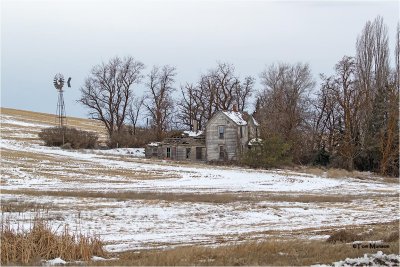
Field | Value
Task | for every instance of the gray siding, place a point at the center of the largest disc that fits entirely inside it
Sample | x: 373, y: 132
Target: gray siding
x: 242, y: 144
x: 230, y: 140
x: 178, y: 152
x: 253, y: 133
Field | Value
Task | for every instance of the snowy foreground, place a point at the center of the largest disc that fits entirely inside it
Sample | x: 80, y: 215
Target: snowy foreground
x: 32, y: 173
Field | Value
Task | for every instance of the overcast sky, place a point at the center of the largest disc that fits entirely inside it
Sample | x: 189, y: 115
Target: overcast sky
x: 42, y: 38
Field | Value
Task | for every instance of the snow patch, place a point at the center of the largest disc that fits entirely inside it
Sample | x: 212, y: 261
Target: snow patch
x: 255, y: 141
x: 193, y: 134
x: 134, y: 152
x: 56, y: 261
x: 377, y: 259
x: 22, y: 123
x: 236, y: 116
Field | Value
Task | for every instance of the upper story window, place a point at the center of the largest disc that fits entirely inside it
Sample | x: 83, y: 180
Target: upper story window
x: 241, y: 131
x: 221, y: 132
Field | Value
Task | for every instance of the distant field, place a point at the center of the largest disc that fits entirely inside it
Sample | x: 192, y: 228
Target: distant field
x: 36, y: 119
x: 135, y: 203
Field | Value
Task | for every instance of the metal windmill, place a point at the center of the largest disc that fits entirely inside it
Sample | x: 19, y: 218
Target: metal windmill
x: 58, y: 84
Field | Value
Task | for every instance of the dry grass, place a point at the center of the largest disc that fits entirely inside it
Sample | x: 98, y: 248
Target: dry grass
x: 333, y: 173
x: 275, y: 252
x: 308, y: 198
x: 18, y: 206
x: 388, y: 232
x: 341, y: 173
x: 219, y: 198
x: 343, y: 236
x: 28, y: 157
x: 392, y: 236
x: 45, y: 118
x: 41, y: 242
x: 131, y: 195
x: 271, y: 252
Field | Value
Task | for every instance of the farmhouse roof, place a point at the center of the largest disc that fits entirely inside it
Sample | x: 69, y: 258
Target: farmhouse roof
x: 236, y: 116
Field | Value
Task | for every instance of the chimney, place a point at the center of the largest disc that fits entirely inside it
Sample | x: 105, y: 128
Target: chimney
x: 235, y: 108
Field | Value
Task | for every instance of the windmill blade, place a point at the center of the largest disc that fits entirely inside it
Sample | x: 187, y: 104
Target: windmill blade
x: 69, y: 82
x: 59, y: 81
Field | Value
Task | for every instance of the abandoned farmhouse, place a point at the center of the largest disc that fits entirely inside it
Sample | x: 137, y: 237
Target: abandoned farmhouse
x: 227, y: 134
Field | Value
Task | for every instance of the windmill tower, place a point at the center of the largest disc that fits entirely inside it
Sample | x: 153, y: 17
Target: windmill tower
x: 61, y: 118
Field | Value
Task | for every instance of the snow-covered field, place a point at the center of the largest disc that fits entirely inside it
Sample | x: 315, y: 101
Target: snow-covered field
x: 137, y: 203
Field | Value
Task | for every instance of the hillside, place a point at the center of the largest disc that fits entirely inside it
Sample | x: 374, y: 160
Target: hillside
x: 136, y: 203
x: 30, y: 122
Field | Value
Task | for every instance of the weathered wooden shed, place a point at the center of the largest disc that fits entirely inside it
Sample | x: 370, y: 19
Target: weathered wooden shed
x: 190, y: 146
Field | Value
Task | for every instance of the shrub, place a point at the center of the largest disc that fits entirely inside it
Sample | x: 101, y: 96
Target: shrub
x: 272, y: 152
x: 127, y: 138
x: 75, y: 138
x: 41, y: 242
x: 321, y: 157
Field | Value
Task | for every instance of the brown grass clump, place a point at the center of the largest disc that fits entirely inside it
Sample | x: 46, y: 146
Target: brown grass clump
x: 40, y: 242
x: 342, y: 173
x: 343, y: 236
x: 392, y: 237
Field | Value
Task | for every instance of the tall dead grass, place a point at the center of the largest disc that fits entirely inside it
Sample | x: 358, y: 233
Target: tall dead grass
x: 41, y: 242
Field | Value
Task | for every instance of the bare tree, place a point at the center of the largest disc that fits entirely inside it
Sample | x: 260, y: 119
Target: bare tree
x: 225, y: 85
x: 389, y: 135
x: 283, y: 105
x: 159, y: 103
x: 327, y: 117
x: 397, y: 58
x: 218, y: 89
x: 108, y: 91
x: 349, y: 98
x: 285, y: 97
x: 134, y: 111
x: 243, y: 91
x: 190, y: 106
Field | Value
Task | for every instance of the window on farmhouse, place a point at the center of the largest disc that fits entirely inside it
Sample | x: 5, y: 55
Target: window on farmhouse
x: 168, y: 152
x: 241, y: 131
x: 221, y: 131
x: 188, y: 152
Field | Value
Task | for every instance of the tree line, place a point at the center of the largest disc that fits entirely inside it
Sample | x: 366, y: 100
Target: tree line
x: 347, y: 120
